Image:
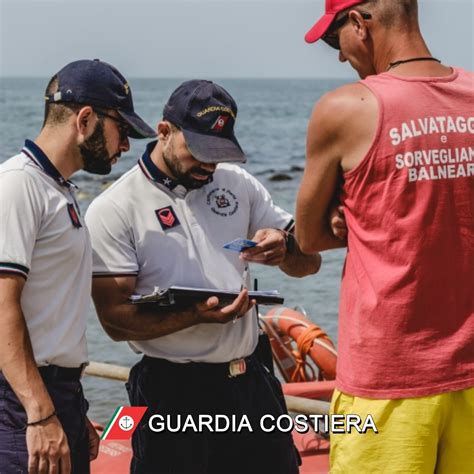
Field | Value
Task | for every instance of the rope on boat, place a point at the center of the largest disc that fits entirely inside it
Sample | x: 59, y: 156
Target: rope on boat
x: 306, y: 325
x: 311, y: 335
x: 305, y: 406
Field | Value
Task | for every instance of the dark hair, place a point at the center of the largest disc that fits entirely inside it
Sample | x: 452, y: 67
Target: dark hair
x: 57, y: 113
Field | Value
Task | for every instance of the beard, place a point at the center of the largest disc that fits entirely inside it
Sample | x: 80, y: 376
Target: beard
x: 94, y: 152
x: 184, y: 177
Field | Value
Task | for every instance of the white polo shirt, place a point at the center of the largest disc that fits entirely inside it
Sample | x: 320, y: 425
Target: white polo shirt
x: 146, y: 225
x: 43, y: 238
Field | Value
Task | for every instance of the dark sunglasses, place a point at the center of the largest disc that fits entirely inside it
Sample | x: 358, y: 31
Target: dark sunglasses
x: 331, y: 38
x: 123, y: 126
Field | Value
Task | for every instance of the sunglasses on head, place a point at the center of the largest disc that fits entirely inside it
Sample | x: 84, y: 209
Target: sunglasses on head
x: 331, y: 38
x: 123, y: 126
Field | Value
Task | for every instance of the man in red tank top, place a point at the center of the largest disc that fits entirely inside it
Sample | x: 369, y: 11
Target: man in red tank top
x: 401, y: 142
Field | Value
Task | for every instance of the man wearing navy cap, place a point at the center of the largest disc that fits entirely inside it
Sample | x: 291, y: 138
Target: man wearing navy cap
x: 401, y: 142
x: 165, y: 223
x: 45, y: 269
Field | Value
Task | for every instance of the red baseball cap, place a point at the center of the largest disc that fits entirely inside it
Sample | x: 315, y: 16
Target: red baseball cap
x: 333, y: 7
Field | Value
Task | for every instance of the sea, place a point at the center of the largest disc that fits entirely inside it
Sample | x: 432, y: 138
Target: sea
x: 271, y: 128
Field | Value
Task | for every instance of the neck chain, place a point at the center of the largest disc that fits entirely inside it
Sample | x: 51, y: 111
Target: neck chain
x: 404, y: 61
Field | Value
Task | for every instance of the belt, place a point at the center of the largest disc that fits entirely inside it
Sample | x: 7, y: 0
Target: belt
x: 64, y: 374
x: 230, y: 369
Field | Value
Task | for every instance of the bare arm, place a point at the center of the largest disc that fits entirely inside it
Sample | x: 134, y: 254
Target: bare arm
x: 126, y: 322
x: 272, y: 250
x: 46, y: 442
x: 340, y: 131
x: 319, y: 184
x: 298, y: 264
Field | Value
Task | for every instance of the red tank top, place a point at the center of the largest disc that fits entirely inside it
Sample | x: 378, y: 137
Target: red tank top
x: 406, y: 326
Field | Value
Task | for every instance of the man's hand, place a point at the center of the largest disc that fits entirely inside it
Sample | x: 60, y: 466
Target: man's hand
x: 48, y: 449
x: 338, y: 222
x: 94, y: 440
x: 211, y: 312
x: 126, y: 322
x: 270, y: 249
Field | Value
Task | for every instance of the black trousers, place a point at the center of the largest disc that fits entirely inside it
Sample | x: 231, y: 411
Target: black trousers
x: 71, y: 408
x: 195, y: 389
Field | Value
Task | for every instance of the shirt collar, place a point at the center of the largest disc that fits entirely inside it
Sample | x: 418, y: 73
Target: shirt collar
x: 38, y: 156
x: 153, y: 173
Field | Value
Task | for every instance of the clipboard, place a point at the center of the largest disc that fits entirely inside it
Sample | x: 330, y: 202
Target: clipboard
x: 185, y: 296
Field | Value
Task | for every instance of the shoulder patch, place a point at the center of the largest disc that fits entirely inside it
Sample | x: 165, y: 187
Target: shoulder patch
x: 167, y: 217
x: 73, y: 216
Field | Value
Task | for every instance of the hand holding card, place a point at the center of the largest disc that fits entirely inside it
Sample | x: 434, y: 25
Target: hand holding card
x: 238, y: 245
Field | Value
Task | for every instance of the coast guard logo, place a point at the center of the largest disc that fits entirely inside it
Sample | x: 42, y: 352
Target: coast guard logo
x: 123, y: 423
x: 167, y: 217
x: 222, y: 202
x: 219, y: 124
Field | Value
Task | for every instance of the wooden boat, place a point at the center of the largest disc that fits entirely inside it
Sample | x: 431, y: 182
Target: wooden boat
x: 306, y: 360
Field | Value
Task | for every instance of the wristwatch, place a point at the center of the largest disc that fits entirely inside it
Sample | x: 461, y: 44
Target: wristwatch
x: 290, y: 241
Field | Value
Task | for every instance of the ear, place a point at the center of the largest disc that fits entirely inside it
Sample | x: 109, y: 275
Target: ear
x: 358, y: 24
x: 164, y: 130
x: 86, y: 120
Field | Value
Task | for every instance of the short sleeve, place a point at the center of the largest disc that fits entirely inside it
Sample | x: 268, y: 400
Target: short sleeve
x: 21, y: 212
x: 264, y: 213
x: 113, y: 247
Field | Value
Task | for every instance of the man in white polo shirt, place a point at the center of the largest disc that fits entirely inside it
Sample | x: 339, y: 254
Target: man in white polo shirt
x: 165, y: 223
x: 45, y: 269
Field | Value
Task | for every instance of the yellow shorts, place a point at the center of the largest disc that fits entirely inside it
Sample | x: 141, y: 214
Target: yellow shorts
x: 433, y: 434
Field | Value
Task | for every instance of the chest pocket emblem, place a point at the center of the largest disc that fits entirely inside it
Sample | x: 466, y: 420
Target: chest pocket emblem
x: 167, y: 217
x: 222, y: 202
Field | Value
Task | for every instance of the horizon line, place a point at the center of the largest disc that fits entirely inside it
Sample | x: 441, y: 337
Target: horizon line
x: 283, y: 78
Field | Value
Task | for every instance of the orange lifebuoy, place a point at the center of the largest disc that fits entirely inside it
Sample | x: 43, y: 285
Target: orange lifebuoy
x: 293, y: 337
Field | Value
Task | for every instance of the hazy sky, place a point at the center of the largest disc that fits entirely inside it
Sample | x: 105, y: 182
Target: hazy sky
x: 182, y: 38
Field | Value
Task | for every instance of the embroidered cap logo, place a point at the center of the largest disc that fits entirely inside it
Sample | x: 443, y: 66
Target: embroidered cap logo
x: 220, y: 122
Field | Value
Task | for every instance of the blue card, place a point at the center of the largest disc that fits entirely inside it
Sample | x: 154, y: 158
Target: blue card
x: 239, y: 244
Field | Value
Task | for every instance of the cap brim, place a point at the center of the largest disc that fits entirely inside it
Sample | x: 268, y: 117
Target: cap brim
x: 320, y: 28
x: 138, y: 127
x: 213, y: 149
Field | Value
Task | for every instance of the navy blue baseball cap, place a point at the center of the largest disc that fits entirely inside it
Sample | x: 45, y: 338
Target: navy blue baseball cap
x: 98, y: 84
x: 205, y: 112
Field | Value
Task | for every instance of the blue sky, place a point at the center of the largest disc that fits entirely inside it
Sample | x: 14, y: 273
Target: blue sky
x: 179, y: 38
